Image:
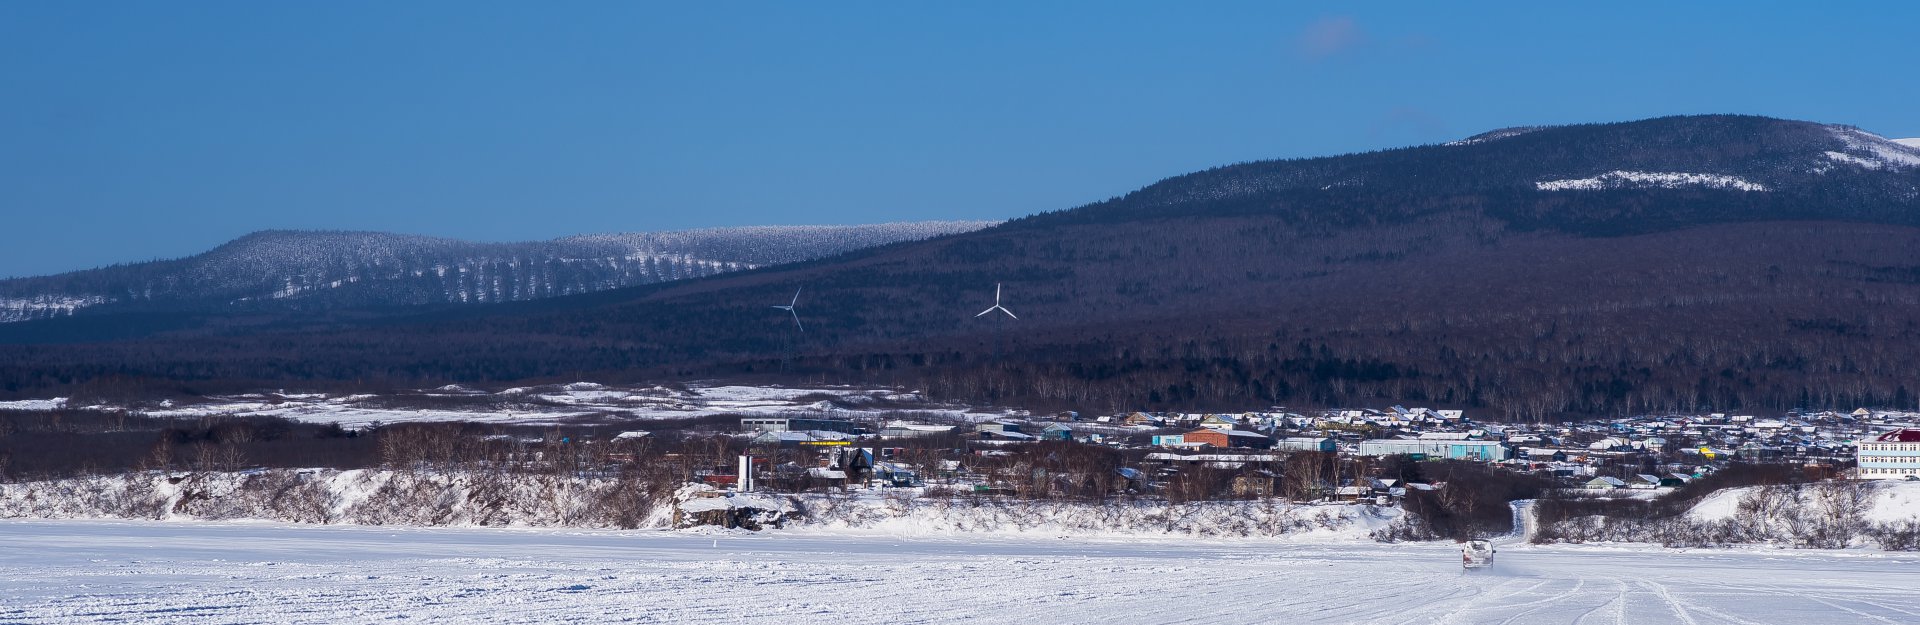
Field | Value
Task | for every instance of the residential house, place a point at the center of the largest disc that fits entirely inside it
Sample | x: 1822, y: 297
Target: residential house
x: 1605, y: 483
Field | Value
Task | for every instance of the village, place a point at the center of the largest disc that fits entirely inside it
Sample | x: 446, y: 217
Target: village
x: 1329, y: 455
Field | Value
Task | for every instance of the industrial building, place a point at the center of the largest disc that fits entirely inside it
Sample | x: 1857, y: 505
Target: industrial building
x: 1484, y: 451
x: 1891, y: 456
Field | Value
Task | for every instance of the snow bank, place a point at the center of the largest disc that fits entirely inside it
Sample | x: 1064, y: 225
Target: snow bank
x: 477, y: 499
x: 906, y: 515
x: 363, y: 497
x: 1823, y: 515
x: 1887, y: 502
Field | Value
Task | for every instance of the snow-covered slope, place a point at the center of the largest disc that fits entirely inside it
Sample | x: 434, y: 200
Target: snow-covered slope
x: 1689, y: 153
x: 572, y: 403
x: 1871, y: 151
x: 1496, y: 135
x: 1649, y: 180
x: 1886, y: 502
x: 298, y: 268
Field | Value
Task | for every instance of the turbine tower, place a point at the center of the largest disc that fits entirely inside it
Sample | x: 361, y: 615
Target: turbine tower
x: 796, y: 315
x: 996, y: 304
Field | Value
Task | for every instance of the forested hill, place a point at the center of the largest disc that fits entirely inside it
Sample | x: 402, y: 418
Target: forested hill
x: 1712, y: 262
x: 318, y: 270
x: 1732, y: 168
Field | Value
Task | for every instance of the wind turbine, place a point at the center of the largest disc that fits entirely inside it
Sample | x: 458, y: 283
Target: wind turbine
x: 996, y: 304
x: 996, y: 327
x: 796, y: 315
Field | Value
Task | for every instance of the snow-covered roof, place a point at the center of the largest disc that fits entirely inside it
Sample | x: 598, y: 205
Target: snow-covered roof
x: 918, y: 427
x: 1213, y: 457
x: 1236, y: 433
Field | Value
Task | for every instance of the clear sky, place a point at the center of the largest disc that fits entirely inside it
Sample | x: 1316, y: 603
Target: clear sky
x: 140, y: 130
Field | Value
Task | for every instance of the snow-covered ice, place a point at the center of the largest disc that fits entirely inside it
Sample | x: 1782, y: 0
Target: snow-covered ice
x: 97, y: 571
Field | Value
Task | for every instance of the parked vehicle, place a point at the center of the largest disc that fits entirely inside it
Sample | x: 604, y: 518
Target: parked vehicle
x: 1476, y: 554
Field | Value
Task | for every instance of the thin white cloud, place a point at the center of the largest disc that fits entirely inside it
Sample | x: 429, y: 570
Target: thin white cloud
x: 1329, y: 36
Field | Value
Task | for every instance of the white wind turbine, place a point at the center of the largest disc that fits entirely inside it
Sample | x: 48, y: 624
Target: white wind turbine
x: 996, y: 327
x: 796, y: 315
x: 996, y: 304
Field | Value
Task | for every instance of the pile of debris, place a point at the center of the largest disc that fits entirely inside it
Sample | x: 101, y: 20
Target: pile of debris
x: 699, y: 504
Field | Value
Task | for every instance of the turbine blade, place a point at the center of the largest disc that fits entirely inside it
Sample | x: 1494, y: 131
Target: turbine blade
x: 796, y: 297
x: 1009, y: 313
x: 984, y: 312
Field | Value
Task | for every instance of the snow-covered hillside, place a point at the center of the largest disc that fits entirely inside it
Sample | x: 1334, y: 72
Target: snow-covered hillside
x: 1885, y: 502
x: 537, y: 499
x: 579, y: 402
x: 380, y: 269
x: 1827, y: 514
x: 1871, y: 151
x: 1710, y: 152
x: 1649, y: 180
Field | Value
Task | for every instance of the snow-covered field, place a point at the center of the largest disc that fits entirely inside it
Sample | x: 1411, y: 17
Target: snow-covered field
x: 98, y: 571
x: 570, y: 403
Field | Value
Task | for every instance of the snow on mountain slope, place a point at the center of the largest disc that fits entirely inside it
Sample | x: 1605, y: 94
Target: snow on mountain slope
x: 1912, y: 143
x: 1649, y: 180
x: 44, y: 306
x: 1495, y: 135
x: 1871, y: 151
x: 382, y: 269
x: 552, y: 404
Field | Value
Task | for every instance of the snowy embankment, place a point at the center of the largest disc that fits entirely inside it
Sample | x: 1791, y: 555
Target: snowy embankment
x: 899, y: 515
x: 360, y: 497
x: 472, y: 499
x: 1831, y: 514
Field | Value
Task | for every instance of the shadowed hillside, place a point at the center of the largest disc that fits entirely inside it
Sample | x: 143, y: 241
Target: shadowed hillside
x: 1678, y: 263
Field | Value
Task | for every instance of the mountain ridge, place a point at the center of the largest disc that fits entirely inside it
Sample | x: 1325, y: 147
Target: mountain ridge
x: 1447, y: 276
x: 346, y: 267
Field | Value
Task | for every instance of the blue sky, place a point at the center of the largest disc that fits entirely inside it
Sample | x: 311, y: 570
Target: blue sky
x: 133, y: 131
